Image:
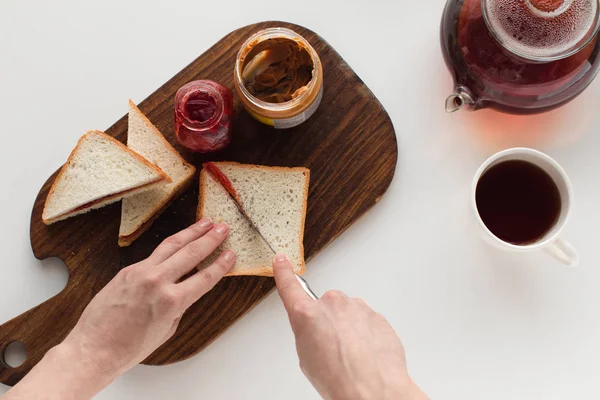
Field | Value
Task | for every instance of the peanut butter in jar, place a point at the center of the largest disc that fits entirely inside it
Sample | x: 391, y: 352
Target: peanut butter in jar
x: 279, y: 77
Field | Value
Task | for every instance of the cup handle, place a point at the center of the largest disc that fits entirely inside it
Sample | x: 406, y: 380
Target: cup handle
x: 564, y: 251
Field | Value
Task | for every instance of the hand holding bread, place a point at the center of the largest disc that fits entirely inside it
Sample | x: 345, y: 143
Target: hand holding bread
x: 130, y: 317
x: 141, y: 307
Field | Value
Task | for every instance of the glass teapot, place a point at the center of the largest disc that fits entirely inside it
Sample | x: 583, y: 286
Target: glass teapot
x: 520, y: 56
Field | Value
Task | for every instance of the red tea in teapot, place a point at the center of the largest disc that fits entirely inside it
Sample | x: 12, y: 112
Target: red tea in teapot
x: 520, y: 56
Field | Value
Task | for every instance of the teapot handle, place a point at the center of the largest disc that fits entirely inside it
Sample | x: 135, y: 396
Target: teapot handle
x: 461, y: 99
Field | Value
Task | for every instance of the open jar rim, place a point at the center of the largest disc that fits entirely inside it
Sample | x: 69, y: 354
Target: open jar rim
x: 271, y: 33
x: 577, y: 47
x: 182, y: 97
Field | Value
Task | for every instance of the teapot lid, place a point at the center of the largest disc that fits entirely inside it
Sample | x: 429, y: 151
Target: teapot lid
x: 543, y: 30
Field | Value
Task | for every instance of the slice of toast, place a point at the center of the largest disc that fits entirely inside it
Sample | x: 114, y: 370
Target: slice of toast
x: 99, y: 171
x: 140, y: 211
x: 275, y: 198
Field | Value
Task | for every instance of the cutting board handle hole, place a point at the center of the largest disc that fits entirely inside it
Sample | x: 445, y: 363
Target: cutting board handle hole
x: 55, y: 274
x: 14, y: 355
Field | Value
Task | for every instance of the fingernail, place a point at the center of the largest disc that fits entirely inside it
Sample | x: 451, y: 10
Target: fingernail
x: 221, y: 228
x: 280, y: 257
x: 204, y: 223
x: 229, y: 256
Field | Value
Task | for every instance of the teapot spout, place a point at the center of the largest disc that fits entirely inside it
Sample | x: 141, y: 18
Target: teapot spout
x: 459, y: 100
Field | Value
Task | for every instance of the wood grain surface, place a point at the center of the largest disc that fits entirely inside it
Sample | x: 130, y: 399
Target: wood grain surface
x: 349, y: 145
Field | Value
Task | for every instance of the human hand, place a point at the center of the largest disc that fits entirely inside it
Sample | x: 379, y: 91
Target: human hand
x: 141, y: 307
x: 346, y: 350
x: 133, y: 315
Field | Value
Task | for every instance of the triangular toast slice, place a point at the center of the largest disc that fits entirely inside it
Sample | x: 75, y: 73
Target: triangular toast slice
x: 140, y: 211
x: 99, y: 171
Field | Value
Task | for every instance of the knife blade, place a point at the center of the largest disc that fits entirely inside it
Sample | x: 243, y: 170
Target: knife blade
x: 224, y: 181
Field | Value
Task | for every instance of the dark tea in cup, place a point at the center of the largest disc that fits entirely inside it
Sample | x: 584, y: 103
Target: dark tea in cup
x: 518, y: 201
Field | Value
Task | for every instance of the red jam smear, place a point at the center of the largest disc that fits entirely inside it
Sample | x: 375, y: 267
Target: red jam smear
x: 203, y: 116
x: 221, y: 178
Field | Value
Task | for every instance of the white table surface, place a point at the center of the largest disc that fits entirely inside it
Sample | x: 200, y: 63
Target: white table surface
x: 477, y: 323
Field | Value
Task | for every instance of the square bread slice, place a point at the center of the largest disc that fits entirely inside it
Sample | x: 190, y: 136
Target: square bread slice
x: 100, y: 171
x: 275, y: 198
x: 140, y: 211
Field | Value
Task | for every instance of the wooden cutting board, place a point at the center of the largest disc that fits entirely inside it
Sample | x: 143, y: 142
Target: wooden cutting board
x: 349, y: 146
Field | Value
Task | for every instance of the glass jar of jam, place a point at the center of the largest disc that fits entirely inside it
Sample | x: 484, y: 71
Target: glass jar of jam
x: 203, y: 116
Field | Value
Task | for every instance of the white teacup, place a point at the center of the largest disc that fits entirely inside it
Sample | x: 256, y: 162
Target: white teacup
x: 551, y: 241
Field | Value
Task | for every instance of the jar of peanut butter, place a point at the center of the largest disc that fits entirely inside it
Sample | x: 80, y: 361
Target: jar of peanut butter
x: 279, y: 77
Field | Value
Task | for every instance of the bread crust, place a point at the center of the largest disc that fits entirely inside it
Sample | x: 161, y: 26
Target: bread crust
x: 266, y: 270
x: 128, y: 238
x: 164, y: 178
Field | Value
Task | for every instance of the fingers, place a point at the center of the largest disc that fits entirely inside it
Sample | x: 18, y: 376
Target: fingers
x: 288, y: 286
x: 176, y: 242
x: 193, y: 253
x: 203, y: 281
